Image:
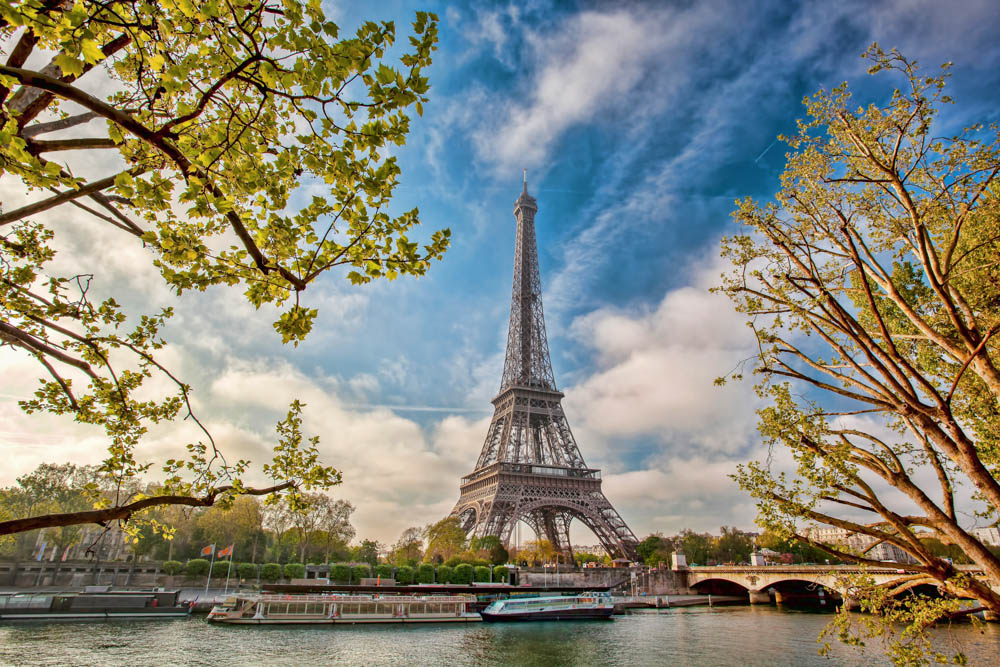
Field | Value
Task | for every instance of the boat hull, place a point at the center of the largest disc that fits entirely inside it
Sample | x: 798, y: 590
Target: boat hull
x: 349, y: 621
x: 98, y: 615
x: 554, y: 615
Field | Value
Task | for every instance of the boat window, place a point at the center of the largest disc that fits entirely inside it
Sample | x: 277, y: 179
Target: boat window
x: 418, y: 608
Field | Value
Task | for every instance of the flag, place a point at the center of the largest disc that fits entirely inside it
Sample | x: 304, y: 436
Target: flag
x: 226, y: 552
x: 65, y: 554
x: 41, y: 552
x: 207, y: 551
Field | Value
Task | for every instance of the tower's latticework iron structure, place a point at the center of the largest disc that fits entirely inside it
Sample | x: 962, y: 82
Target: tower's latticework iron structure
x: 530, y: 468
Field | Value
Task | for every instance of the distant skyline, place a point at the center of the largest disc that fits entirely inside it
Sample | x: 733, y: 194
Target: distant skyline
x: 639, y: 125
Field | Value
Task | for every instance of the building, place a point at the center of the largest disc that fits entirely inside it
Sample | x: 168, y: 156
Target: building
x: 989, y: 535
x: 859, y: 544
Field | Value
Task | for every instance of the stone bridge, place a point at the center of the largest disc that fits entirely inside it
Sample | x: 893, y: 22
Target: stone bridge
x: 758, y: 580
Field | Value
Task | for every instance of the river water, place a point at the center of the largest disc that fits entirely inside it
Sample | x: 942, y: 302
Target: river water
x: 757, y: 635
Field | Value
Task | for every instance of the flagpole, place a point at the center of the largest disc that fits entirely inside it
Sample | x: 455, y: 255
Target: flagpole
x: 209, y: 580
x: 230, y: 568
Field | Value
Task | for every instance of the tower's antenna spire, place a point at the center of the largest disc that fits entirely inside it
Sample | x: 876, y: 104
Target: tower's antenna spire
x: 525, y: 180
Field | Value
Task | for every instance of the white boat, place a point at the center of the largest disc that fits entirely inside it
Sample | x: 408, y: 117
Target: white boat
x: 276, y: 609
x: 551, y: 608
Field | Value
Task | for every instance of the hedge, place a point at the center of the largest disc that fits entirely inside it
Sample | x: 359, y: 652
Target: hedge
x: 359, y: 572
x: 220, y: 568
x: 247, y: 570
x: 295, y: 571
x: 463, y: 574
x: 500, y: 573
x: 444, y: 575
x: 270, y: 571
x: 481, y: 573
x: 172, y: 567
x: 425, y: 573
x: 340, y: 573
x: 404, y: 575
x: 196, y: 567
x: 384, y: 571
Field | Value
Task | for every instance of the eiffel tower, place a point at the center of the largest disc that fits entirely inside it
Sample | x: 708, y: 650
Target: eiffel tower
x: 530, y: 468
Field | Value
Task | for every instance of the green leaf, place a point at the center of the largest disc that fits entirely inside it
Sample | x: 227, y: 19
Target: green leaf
x: 69, y: 65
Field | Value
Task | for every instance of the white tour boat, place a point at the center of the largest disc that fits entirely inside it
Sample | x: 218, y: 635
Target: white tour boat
x: 271, y: 609
x: 551, y: 608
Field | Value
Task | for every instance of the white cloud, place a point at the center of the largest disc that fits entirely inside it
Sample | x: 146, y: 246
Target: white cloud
x: 589, y: 64
x: 656, y: 371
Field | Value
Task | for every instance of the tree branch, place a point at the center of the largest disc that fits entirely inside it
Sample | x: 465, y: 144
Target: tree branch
x: 124, y: 512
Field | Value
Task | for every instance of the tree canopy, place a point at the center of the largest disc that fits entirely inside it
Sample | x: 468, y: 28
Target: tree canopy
x: 244, y: 146
x: 873, y: 287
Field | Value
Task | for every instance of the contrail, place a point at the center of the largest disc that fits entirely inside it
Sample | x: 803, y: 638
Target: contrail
x: 769, y: 147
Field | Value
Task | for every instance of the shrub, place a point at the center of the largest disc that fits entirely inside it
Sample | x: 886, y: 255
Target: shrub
x: 172, y: 567
x: 341, y: 573
x: 404, y: 575
x: 270, y: 571
x: 463, y: 574
x: 384, y: 571
x: 500, y: 573
x: 295, y: 571
x: 454, y: 561
x: 360, y: 571
x: 220, y: 568
x: 247, y: 570
x: 444, y: 574
x: 196, y: 567
x: 425, y: 573
x: 481, y: 573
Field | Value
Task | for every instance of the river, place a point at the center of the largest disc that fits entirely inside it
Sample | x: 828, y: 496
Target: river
x: 757, y: 635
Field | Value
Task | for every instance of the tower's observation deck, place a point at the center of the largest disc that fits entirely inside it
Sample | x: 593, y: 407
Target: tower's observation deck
x: 530, y: 468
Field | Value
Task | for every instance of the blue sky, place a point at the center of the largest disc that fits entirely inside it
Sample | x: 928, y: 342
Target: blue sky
x: 639, y: 124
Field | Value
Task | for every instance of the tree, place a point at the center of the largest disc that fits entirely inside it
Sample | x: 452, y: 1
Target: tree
x: 490, y: 549
x: 696, y: 547
x: 219, y: 115
x: 408, y: 549
x: 318, y: 522
x: 49, y: 488
x: 537, y: 552
x: 367, y: 552
x: 873, y: 288
x: 732, y: 546
x: 653, y: 550
x: 445, y: 539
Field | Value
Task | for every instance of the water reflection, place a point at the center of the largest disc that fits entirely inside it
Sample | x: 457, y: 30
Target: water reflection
x: 692, y: 636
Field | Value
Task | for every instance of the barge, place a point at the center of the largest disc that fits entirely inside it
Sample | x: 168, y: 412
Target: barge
x: 91, y: 606
x: 333, y: 609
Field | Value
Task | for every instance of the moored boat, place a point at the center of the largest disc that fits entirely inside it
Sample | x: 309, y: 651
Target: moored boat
x: 551, y: 608
x: 264, y: 608
x: 91, y: 606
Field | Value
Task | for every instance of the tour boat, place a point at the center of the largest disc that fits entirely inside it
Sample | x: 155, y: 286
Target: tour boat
x: 272, y: 609
x: 553, y: 607
x: 91, y: 605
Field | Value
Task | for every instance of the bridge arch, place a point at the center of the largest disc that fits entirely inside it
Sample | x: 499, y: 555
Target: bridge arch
x: 720, y: 586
